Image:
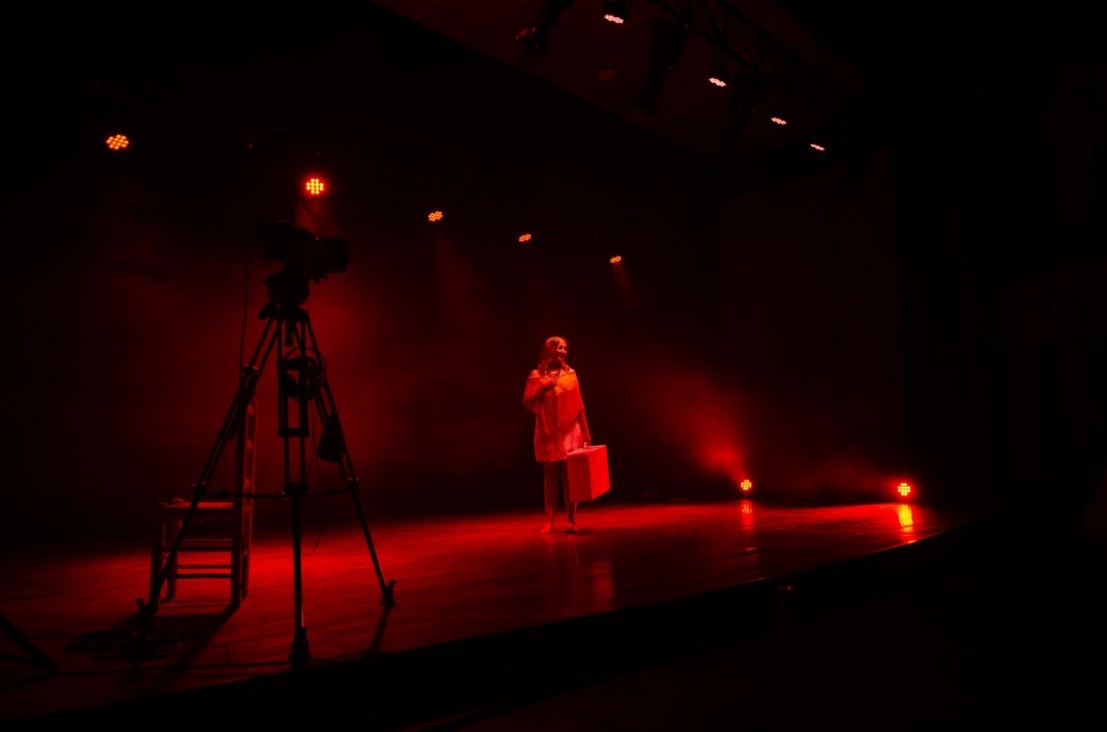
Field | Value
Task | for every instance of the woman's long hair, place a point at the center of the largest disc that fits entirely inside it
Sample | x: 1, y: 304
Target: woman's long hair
x: 549, y: 351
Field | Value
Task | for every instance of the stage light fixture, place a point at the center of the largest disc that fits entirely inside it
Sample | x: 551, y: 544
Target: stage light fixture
x: 308, y: 256
x: 524, y: 238
x: 904, y: 491
x: 720, y: 71
x: 746, y: 486
x: 314, y: 186
x: 782, y: 111
x: 535, y: 38
x: 117, y: 142
x: 616, y: 259
x: 615, y: 11
x: 435, y: 216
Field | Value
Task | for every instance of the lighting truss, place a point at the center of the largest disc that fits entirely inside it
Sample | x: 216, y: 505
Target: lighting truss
x: 734, y: 35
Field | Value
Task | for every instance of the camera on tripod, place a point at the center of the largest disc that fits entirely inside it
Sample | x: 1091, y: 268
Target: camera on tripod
x: 306, y: 257
x: 317, y: 256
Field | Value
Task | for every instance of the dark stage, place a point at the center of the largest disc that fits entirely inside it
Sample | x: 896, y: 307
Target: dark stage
x: 728, y: 614
x: 828, y: 311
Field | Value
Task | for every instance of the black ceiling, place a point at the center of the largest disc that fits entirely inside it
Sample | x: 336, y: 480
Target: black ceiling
x: 450, y: 79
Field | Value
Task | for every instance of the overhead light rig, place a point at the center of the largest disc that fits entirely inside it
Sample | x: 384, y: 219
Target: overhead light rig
x: 740, y: 45
x: 761, y: 61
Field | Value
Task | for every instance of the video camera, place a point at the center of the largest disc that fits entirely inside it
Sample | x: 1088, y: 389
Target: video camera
x: 306, y: 257
x: 317, y: 256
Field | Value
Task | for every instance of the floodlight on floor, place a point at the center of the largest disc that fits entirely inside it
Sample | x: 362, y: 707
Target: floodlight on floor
x: 904, y: 491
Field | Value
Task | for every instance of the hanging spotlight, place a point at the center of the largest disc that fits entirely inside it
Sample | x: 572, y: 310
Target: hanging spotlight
x: 117, y: 142
x: 435, y: 216
x: 315, y: 186
x: 615, y: 11
x: 524, y: 238
x: 782, y: 114
x: 535, y: 38
x: 782, y: 110
x: 720, y: 71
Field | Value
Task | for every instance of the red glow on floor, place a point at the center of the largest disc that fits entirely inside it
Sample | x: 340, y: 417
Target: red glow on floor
x: 906, y: 519
x: 747, y: 514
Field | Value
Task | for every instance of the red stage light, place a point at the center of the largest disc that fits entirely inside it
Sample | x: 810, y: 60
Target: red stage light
x: 434, y: 216
x: 315, y: 186
x: 746, y: 486
x: 523, y: 238
x: 616, y: 259
x: 904, y: 491
x: 118, y: 142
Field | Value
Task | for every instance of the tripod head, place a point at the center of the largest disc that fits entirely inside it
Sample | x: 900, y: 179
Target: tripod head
x: 307, y: 258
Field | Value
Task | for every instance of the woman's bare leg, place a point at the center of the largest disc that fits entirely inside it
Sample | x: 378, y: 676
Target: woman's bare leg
x: 570, y: 506
x: 550, y: 475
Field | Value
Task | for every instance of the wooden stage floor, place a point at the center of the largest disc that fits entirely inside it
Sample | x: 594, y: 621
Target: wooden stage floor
x: 485, y: 609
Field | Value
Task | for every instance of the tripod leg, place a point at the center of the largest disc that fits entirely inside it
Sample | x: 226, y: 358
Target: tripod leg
x: 299, y: 651
x: 300, y: 379
x: 35, y: 655
x: 386, y: 587
x: 332, y: 447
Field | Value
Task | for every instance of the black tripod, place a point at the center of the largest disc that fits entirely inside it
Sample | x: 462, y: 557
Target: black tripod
x: 301, y: 383
x: 34, y: 654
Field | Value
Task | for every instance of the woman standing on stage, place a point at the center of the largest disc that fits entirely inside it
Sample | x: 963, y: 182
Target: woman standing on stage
x: 552, y: 393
